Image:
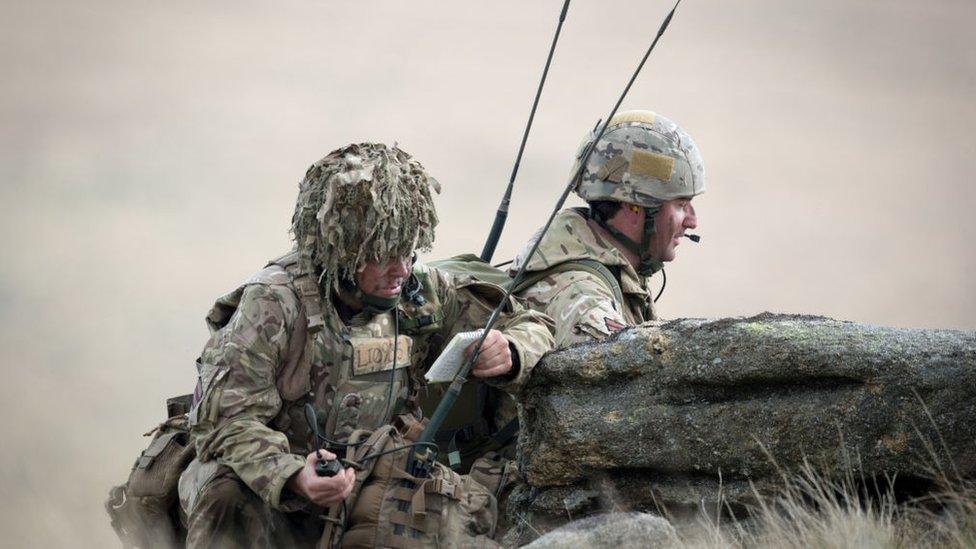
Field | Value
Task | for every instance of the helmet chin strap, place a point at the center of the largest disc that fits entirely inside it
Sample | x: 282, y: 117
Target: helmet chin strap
x: 647, y: 265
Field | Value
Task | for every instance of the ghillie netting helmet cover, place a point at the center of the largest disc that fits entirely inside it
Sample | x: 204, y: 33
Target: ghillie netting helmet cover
x: 363, y: 202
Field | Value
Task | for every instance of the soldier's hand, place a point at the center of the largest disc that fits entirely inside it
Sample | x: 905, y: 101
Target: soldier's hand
x: 495, y: 358
x: 324, y: 491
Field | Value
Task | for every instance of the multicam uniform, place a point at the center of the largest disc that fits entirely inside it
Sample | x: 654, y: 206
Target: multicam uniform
x: 643, y: 159
x: 580, y: 302
x: 249, y: 425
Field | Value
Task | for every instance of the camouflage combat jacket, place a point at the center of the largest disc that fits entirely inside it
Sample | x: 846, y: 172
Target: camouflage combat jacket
x: 250, y: 415
x: 580, y: 302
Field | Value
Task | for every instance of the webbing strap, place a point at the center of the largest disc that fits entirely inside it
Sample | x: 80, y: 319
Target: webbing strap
x: 418, y: 502
x: 506, y: 433
x: 308, y: 292
x: 407, y: 519
x: 588, y: 265
x: 401, y: 493
x: 443, y: 487
x: 307, y: 288
x: 419, y: 505
x: 334, y: 527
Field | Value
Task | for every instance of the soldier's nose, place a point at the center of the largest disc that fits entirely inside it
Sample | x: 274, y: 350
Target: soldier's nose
x: 399, y: 268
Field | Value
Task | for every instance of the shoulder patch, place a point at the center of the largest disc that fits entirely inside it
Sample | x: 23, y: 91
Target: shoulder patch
x: 613, y: 325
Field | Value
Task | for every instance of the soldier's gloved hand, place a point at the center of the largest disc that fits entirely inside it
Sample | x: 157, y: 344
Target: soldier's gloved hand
x: 324, y: 491
x: 495, y: 358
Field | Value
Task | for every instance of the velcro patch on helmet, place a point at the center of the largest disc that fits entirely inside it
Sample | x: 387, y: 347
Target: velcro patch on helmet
x: 649, y: 164
x: 613, y: 170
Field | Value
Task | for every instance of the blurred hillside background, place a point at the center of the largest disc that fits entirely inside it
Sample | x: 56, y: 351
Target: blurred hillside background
x: 150, y: 155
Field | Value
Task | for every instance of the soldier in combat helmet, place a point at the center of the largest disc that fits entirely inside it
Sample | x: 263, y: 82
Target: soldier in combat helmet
x: 344, y: 323
x: 595, y: 263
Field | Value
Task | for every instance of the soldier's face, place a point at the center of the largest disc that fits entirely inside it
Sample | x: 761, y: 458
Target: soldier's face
x: 670, y: 223
x: 383, y: 279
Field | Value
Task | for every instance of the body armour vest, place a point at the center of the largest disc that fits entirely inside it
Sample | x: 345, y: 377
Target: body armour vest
x: 356, y: 375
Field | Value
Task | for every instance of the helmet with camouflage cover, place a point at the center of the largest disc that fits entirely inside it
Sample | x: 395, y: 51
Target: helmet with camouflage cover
x: 363, y: 202
x: 643, y: 158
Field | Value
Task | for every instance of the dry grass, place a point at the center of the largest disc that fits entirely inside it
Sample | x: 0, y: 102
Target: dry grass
x: 813, y: 510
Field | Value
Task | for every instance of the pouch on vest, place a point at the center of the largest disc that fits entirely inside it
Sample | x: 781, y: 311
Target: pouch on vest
x: 390, y: 508
x: 145, y: 510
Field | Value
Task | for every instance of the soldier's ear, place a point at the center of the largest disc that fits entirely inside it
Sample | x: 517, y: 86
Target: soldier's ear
x: 634, y: 208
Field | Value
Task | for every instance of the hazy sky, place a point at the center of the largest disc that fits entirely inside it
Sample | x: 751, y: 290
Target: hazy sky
x: 151, y: 154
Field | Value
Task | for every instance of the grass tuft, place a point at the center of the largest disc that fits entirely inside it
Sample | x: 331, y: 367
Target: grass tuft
x: 813, y: 510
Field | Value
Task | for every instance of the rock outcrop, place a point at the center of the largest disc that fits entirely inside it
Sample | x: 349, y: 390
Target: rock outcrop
x: 680, y: 413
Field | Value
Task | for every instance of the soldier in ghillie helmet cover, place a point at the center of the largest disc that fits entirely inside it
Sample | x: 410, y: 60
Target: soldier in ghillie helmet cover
x: 362, y: 203
x: 638, y: 183
x: 329, y: 342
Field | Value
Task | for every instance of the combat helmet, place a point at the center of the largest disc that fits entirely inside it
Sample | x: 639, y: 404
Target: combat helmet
x: 642, y: 158
x: 363, y: 202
